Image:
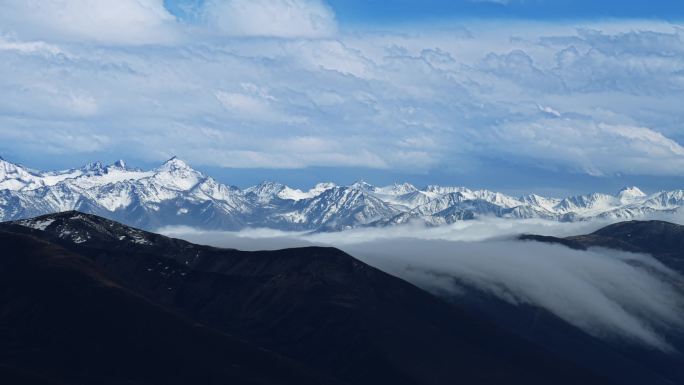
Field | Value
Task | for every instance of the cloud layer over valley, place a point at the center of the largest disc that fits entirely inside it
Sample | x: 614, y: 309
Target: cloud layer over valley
x: 613, y: 295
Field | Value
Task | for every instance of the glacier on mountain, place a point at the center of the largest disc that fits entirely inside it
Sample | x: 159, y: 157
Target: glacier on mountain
x: 176, y: 194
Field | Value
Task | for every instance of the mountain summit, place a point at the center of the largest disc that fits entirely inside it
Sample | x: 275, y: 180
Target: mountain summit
x: 629, y: 194
x: 176, y: 194
x: 175, y: 164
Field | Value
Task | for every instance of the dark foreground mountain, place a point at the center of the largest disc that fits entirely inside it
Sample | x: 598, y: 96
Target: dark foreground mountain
x: 663, y: 240
x: 87, y: 299
x: 64, y: 321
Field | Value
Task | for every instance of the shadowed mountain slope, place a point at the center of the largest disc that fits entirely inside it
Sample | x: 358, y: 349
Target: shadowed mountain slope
x: 64, y: 321
x: 318, y: 306
x: 663, y: 240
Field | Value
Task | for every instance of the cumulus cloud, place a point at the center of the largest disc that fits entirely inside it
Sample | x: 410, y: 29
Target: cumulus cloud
x: 600, y: 100
x: 272, y: 18
x: 121, y: 21
x: 620, y: 297
x: 149, y: 21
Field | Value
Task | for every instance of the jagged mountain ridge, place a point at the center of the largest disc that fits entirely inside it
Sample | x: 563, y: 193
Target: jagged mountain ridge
x: 176, y: 194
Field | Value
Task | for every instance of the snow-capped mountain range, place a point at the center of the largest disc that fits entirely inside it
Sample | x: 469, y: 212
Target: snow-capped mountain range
x: 176, y: 194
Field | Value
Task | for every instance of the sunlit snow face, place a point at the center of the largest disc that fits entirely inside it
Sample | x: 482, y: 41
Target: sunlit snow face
x: 159, y: 195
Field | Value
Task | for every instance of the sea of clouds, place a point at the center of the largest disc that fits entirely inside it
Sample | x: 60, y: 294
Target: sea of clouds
x: 609, y: 294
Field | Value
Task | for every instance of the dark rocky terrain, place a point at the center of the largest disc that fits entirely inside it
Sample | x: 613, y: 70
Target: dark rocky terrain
x: 88, y: 300
x: 64, y: 321
x: 663, y: 240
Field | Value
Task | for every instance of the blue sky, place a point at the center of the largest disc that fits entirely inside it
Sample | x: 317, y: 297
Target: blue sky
x: 371, y: 11
x: 528, y: 95
x: 393, y: 11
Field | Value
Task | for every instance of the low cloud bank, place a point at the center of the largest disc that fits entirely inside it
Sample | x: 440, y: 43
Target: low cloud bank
x: 609, y: 294
x: 479, y: 230
x: 606, y: 293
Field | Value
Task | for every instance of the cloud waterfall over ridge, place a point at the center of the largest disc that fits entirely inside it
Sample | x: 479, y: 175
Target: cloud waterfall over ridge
x: 609, y: 294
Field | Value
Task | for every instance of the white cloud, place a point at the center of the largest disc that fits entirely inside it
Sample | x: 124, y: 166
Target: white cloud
x: 271, y: 18
x: 134, y: 22
x: 412, y: 100
x: 611, y: 295
x: 605, y: 293
x: 30, y: 47
x: 120, y: 21
x: 594, y: 148
x: 246, y: 105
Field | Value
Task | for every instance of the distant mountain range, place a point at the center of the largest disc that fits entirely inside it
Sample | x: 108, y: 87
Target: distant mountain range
x: 176, y: 194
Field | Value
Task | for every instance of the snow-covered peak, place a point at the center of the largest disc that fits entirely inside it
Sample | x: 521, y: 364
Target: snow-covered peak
x: 397, y: 189
x: 174, y: 164
x: 288, y: 193
x: 9, y: 169
x: 294, y: 194
x: 95, y: 168
x: 120, y: 164
x: 177, y: 175
x: 363, y: 186
x: 210, y: 189
x: 630, y: 194
x: 493, y: 197
x: 586, y: 204
x: 266, y: 191
x: 540, y: 201
x: 175, y: 193
x: 434, y: 189
x: 321, y: 187
x: 266, y: 188
x: 15, y: 177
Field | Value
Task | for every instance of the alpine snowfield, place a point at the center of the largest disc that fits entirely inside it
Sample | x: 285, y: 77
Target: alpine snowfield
x: 176, y: 194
